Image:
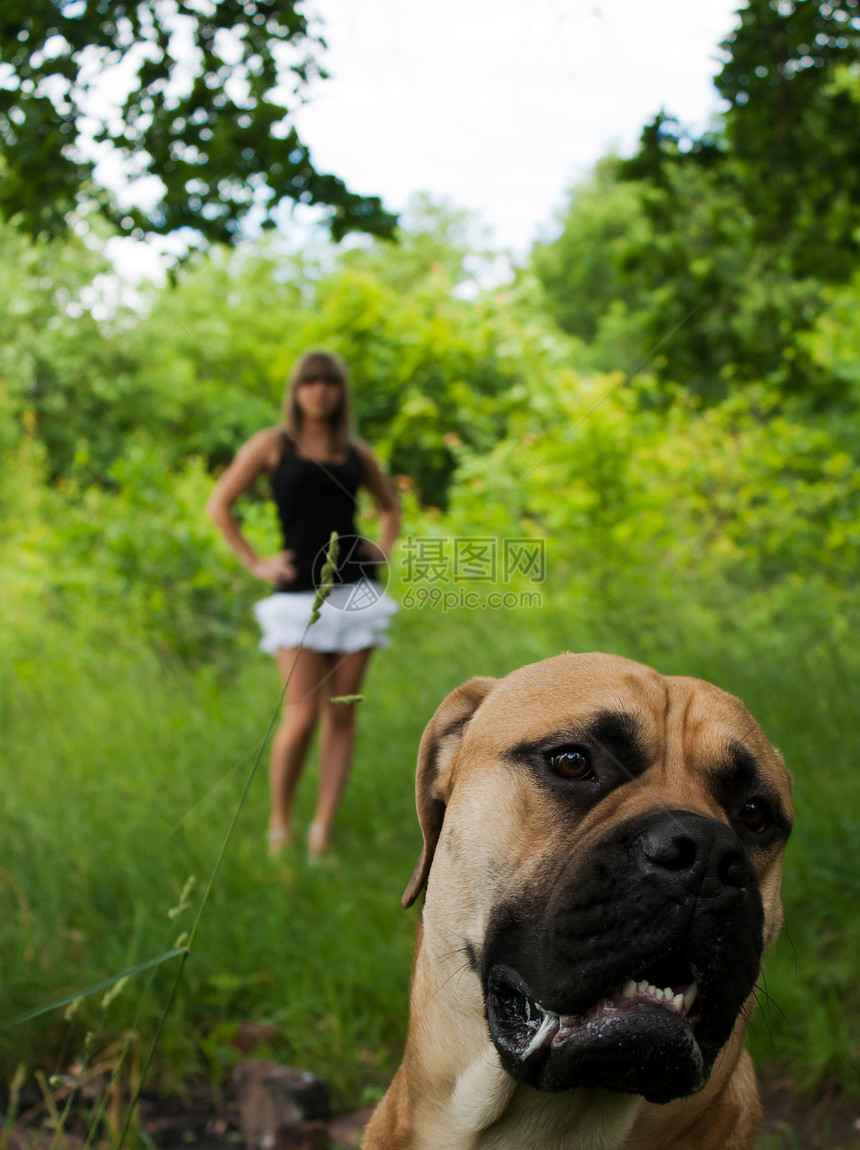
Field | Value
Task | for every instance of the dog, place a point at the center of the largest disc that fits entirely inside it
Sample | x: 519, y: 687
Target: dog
x: 602, y: 855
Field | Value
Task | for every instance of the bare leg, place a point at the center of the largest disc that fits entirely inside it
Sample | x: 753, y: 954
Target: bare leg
x: 290, y: 743
x: 337, y: 741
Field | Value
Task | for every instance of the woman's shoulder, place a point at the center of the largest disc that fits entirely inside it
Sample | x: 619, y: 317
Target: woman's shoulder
x: 260, y: 440
x: 373, y: 476
x: 363, y: 450
x: 253, y: 459
x: 266, y: 446
x: 373, y: 473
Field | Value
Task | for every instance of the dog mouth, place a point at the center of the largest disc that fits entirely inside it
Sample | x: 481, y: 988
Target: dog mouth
x: 531, y: 1028
x: 650, y: 1015
x: 538, y: 1029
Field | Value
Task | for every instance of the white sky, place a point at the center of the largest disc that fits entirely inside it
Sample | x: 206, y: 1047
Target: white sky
x: 500, y: 105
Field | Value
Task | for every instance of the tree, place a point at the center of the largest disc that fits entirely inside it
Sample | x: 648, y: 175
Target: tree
x: 434, y: 238
x: 789, y: 143
x: 202, y: 125
x: 791, y: 127
x: 732, y: 235
x: 580, y: 268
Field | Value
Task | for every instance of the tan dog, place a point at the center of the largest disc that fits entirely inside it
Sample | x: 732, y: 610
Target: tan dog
x: 603, y: 856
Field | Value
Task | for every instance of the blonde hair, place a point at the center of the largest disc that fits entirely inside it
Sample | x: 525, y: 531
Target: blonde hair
x: 317, y: 365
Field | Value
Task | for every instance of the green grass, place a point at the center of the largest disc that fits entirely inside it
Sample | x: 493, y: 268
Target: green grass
x: 120, y: 780
x: 106, y: 767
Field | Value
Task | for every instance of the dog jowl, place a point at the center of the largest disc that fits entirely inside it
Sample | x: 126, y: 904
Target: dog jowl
x: 636, y: 966
x: 602, y: 856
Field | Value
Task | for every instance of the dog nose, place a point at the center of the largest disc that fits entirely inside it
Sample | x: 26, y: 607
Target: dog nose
x: 703, y: 854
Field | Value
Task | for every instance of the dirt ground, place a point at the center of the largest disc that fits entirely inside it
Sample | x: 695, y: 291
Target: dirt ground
x: 828, y: 1121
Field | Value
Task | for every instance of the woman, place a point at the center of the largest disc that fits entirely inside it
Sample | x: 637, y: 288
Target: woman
x: 315, y: 469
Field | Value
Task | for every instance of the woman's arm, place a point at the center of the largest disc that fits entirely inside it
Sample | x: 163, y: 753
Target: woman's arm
x: 385, y: 498
x: 251, y: 461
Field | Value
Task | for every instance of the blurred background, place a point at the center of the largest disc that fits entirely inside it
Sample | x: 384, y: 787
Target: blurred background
x: 594, y: 270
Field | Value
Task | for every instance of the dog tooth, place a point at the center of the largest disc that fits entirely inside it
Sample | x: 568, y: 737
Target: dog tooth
x: 641, y: 986
x: 629, y: 988
x: 668, y: 993
x: 540, y: 1035
x: 678, y: 1001
x: 690, y: 996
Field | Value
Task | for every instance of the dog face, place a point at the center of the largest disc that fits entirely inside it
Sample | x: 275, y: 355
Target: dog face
x: 605, y: 845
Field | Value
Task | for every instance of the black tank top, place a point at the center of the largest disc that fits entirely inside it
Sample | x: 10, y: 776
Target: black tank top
x: 314, y: 499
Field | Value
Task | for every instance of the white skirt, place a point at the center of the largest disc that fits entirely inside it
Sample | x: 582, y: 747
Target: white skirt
x: 355, y: 616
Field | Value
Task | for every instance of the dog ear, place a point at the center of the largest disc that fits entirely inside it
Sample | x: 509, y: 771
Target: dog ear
x: 442, y: 736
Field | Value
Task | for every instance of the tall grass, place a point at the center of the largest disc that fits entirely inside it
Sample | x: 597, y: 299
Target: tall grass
x: 122, y: 772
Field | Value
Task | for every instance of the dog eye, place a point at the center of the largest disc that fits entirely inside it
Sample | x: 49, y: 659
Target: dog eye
x: 570, y: 763
x: 756, y: 816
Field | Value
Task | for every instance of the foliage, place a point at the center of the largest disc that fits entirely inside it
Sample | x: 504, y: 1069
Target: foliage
x: 833, y: 343
x: 54, y: 362
x: 667, y: 397
x: 726, y: 241
x: 729, y: 304
x: 122, y: 421
x: 433, y: 241
x: 429, y: 369
x: 115, y: 426
x: 689, y: 288
x: 140, y: 767
x: 788, y: 143
x: 749, y: 489
x: 583, y: 269
x: 202, y: 125
x: 791, y: 128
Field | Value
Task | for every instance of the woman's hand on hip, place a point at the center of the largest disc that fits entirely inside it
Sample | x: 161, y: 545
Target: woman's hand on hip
x: 277, y: 569
x: 371, y: 552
